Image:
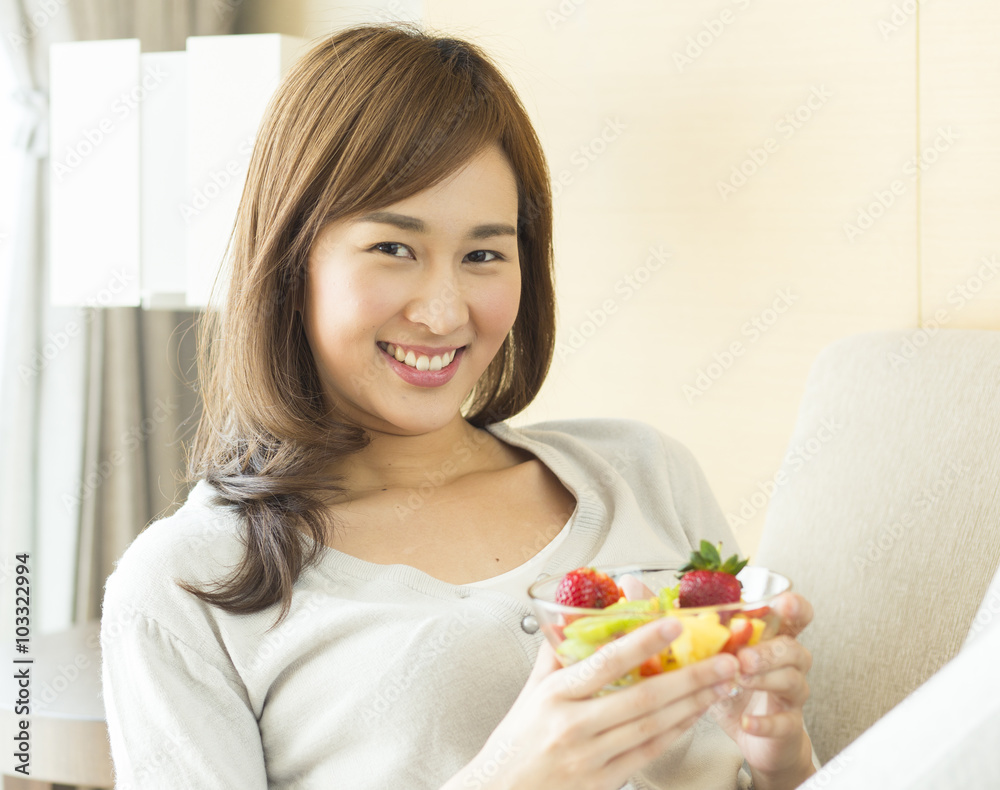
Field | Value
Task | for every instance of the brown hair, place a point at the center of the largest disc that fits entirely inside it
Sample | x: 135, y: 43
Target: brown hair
x: 371, y: 115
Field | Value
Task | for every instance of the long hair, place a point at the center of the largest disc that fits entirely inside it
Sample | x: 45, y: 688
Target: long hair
x: 371, y: 115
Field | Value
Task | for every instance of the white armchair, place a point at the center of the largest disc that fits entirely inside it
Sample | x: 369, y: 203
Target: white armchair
x: 892, y: 527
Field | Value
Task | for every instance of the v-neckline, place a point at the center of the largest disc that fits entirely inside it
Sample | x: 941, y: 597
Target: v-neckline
x: 587, y: 526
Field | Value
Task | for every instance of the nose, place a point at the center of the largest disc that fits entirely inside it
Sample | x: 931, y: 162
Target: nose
x: 440, y: 303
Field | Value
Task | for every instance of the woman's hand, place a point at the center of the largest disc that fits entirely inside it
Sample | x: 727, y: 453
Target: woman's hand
x: 765, y: 719
x: 557, y: 737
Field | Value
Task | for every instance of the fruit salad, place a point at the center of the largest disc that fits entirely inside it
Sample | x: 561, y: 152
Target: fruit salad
x: 707, y: 599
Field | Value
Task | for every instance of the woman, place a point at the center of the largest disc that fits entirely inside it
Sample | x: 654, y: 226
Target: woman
x: 341, y: 600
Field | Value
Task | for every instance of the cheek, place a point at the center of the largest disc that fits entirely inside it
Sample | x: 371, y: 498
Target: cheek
x: 497, y: 307
x: 340, y: 306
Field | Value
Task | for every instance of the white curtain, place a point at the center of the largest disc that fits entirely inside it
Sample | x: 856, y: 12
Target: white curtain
x: 94, y: 403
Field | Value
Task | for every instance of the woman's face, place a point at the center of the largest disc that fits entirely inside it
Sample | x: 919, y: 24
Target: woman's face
x: 405, y: 307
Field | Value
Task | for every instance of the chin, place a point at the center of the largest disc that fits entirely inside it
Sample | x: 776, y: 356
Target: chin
x: 413, y: 422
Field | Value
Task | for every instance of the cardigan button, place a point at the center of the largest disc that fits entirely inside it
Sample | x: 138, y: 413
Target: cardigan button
x: 529, y: 624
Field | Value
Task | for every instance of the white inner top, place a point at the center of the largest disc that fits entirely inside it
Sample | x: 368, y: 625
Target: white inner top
x: 517, y: 580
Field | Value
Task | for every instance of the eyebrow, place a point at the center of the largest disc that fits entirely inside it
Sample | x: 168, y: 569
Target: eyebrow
x: 404, y: 222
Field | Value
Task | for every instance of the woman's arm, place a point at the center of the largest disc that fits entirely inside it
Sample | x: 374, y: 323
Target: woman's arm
x: 174, y: 719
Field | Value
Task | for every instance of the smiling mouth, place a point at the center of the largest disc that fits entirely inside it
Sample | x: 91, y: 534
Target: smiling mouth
x: 419, y: 361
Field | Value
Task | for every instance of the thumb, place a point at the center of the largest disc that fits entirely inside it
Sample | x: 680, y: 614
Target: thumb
x: 546, y: 663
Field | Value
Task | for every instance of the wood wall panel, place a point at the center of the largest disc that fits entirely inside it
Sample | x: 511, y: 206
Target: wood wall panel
x: 960, y: 148
x: 686, y: 125
x: 682, y: 127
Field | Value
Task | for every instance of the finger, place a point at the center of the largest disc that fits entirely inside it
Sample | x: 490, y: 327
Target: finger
x: 664, y: 710
x: 774, y: 725
x: 546, y: 662
x: 634, y: 589
x: 772, y: 654
x: 674, y: 718
x: 617, y: 658
x: 694, y: 687
x: 627, y: 763
x: 795, y: 612
x: 788, y: 685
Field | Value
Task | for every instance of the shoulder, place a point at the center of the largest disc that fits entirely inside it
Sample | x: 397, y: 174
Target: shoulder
x: 659, y: 470
x: 199, y: 544
x: 615, y: 439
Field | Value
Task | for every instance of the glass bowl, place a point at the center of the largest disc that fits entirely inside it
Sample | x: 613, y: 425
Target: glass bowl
x: 575, y: 633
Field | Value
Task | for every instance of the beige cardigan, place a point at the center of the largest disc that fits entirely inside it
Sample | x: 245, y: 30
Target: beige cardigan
x: 381, y: 676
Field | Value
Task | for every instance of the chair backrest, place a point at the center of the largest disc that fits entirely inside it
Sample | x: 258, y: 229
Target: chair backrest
x: 944, y: 735
x: 887, y: 517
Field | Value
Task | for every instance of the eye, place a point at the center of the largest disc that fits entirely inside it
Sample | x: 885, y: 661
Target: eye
x: 496, y: 256
x: 391, y: 244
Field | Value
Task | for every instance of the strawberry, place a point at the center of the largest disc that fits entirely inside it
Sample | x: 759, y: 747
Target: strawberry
x: 608, y: 592
x: 587, y: 588
x: 576, y: 588
x: 706, y: 580
x: 740, y: 631
x: 651, y: 666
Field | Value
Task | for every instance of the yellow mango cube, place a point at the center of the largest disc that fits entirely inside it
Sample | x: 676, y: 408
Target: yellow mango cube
x: 703, y: 636
x: 758, y: 629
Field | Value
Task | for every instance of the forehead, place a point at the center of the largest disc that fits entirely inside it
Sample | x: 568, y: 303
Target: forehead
x: 483, y: 188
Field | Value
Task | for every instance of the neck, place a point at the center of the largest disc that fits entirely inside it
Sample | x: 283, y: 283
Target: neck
x: 393, y: 461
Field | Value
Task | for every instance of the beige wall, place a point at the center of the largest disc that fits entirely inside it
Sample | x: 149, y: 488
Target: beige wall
x: 697, y: 306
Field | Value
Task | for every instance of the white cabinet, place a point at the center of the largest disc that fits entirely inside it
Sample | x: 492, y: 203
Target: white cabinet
x: 149, y: 153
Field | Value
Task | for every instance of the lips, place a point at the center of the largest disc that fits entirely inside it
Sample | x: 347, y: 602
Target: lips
x: 412, y: 374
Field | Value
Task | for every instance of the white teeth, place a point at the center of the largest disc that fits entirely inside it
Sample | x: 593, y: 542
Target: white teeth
x: 422, y: 362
